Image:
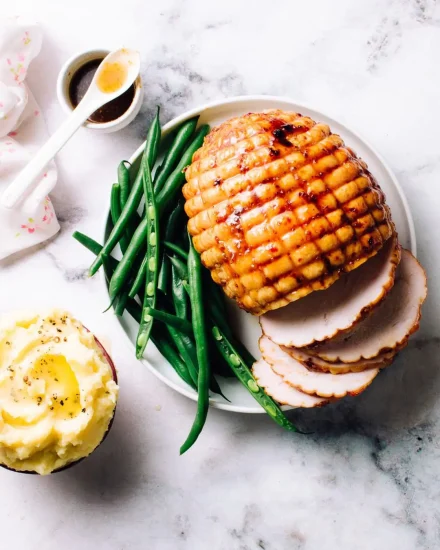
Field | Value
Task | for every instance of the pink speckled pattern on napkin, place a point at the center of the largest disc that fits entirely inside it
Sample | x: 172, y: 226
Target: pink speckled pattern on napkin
x: 22, y: 133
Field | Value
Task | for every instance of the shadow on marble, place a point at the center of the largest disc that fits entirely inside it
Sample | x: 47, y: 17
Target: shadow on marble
x: 110, y: 474
x: 400, y: 398
x: 22, y: 255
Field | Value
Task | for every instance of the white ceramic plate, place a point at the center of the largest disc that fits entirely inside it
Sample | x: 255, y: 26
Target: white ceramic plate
x: 246, y: 325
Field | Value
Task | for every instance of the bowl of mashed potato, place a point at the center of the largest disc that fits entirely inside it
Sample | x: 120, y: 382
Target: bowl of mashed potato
x: 58, y: 391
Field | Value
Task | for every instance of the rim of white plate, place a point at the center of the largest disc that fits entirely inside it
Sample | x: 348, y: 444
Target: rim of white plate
x: 169, y: 126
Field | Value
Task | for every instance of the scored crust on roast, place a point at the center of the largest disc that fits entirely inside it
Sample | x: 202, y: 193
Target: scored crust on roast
x: 280, y: 207
x: 275, y: 386
x: 322, y: 315
x: 309, y: 381
x: 391, y: 323
x: 316, y: 363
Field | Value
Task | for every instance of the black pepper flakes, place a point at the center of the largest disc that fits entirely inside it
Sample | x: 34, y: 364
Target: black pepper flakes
x: 62, y: 402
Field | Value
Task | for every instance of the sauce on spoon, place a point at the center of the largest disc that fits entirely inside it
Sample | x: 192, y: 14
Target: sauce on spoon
x: 111, y: 78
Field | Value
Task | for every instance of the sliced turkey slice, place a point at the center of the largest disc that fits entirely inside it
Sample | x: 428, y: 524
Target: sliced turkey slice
x: 315, y: 383
x: 275, y: 386
x: 391, y: 323
x: 316, y: 363
x: 324, y: 314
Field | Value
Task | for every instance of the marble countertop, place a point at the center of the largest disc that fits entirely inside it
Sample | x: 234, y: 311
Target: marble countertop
x: 369, y: 475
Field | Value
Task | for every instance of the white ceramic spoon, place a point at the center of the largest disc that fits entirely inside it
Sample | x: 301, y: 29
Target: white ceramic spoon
x: 114, y: 76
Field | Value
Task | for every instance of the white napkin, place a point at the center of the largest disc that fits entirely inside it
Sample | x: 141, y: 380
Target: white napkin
x: 22, y: 133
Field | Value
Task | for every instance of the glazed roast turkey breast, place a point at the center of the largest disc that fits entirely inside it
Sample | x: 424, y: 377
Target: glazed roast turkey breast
x: 279, y: 207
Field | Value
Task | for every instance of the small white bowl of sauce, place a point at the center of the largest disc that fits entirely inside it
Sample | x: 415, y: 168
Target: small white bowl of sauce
x: 74, y: 80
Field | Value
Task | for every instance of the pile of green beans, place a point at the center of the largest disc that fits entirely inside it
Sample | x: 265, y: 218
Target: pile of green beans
x: 160, y: 280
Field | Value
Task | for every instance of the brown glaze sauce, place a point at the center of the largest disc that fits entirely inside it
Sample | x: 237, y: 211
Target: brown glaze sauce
x: 79, y: 85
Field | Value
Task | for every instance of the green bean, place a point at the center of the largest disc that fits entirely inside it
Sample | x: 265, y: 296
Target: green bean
x: 245, y: 376
x: 164, y: 272
x: 188, y: 368
x: 115, y: 212
x: 165, y: 346
x: 177, y: 177
x: 124, y: 193
x: 188, y: 351
x: 183, y: 135
x: 216, y: 310
x: 88, y: 243
x: 201, y: 338
x: 219, y: 366
x: 93, y: 246
x: 218, y: 296
x: 175, y: 248
x: 181, y: 332
x: 121, y: 303
x: 124, y: 182
x: 171, y: 226
x: 173, y: 221
x: 169, y: 319
x: 130, y: 209
x: 142, y: 233
x: 153, y: 234
x: 214, y: 386
x: 122, y: 272
x: 180, y: 300
x: 185, y: 240
x: 157, y: 173
x: 180, y: 267
x: 180, y: 296
x: 186, y: 348
x: 134, y: 309
x: 167, y: 350
x: 164, y: 275
x: 219, y: 320
x: 110, y: 263
x: 139, y: 279
x: 140, y: 276
x: 141, y: 237
x: 218, y: 314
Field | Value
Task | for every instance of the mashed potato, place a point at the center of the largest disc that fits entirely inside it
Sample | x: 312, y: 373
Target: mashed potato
x: 57, y: 392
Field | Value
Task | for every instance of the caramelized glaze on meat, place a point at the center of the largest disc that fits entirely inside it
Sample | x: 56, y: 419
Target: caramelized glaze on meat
x: 279, y: 207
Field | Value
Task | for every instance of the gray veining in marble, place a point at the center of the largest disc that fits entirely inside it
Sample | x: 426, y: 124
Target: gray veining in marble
x: 368, y: 477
